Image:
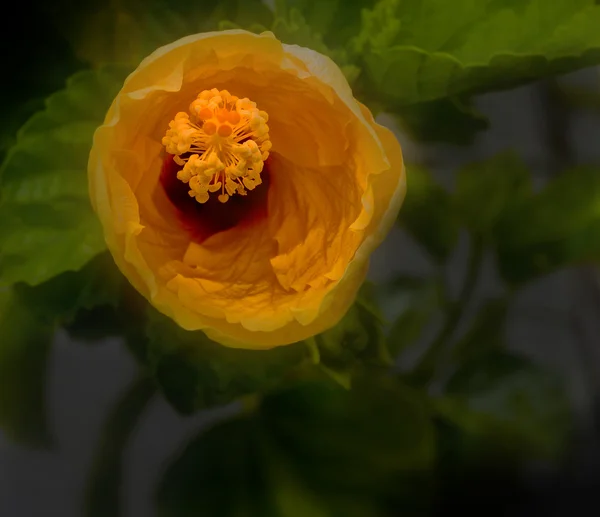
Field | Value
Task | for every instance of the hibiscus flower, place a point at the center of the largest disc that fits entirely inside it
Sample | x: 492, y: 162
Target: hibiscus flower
x: 242, y: 188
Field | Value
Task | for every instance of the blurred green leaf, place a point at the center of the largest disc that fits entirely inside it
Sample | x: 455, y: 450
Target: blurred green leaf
x: 195, y: 372
x: 89, y: 300
x: 60, y: 299
x: 15, y: 116
x: 128, y: 31
x: 379, y: 27
x: 422, y: 50
x: 335, y: 21
x: 25, y: 343
x: 104, y: 489
x: 356, y: 341
x: 34, y: 75
x: 256, y: 28
x: 405, y: 283
x: 312, y: 449
x: 244, y: 13
x: 48, y: 225
x: 428, y: 214
x: 451, y: 120
x: 509, y: 401
x: 221, y: 472
x: 486, y: 334
x: 293, y: 29
x: 557, y: 227
x: 29, y: 317
x: 476, y: 464
x: 422, y: 305
x: 486, y: 189
x: 351, y: 441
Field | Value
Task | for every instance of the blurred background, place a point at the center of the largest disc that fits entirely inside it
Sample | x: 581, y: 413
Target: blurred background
x: 552, y: 124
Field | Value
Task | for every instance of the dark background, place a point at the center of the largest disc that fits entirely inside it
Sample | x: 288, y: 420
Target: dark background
x: 556, y: 321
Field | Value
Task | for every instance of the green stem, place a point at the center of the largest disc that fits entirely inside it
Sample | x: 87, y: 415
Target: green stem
x: 103, y: 490
x: 426, y: 369
x: 250, y: 403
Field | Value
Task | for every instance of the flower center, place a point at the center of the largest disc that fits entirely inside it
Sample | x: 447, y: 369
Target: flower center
x: 222, y: 145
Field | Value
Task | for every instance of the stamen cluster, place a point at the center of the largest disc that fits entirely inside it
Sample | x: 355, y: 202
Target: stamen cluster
x: 222, y: 145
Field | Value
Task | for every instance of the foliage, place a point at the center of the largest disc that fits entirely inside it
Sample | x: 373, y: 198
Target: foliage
x: 48, y: 226
x: 311, y: 449
x: 29, y: 317
x: 23, y: 363
x: 330, y: 426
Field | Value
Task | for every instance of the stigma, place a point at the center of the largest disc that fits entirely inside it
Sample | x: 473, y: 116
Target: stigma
x: 221, y: 145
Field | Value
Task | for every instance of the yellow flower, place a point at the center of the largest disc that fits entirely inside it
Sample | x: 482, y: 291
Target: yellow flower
x: 242, y: 188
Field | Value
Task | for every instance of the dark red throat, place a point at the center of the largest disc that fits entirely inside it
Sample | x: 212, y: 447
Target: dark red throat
x: 204, y: 220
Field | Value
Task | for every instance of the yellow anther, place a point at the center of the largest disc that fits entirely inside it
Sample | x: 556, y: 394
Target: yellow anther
x: 221, y: 144
x: 184, y: 175
x: 202, y: 197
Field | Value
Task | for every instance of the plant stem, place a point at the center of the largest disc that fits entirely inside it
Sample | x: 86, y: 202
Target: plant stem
x: 250, y: 403
x: 103, y: 490
x: 426, y: 369
x: 557, y: 125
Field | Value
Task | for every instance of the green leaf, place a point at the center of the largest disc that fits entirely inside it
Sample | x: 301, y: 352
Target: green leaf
x: 331, y: 430
x: 15, y: 117
x: 104, y: 489
x: 25, y: 343
x: 128, y: 31
x: 244, y: 13
x: 485, y: 190
x: 405, y: 283
x: 34, y: 74
x: 451, y: 120
x: 293, y: 29
x: 195, y: 372
x: 336, y: 21
x: 422, y: 305
x: 219, y: 473
x: 506, y: 398
x: 88, y: 301
x: 486, y: 334
x: 60, y: 299
x: 556, y: 228
x: 476, y: 457
x: 311, y: 449
x: 356, y: 341
x: 428, y: 214
x: 48, y: 225
x: 433, y: 48
x: 256, y: 28
x: 29, y: 317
